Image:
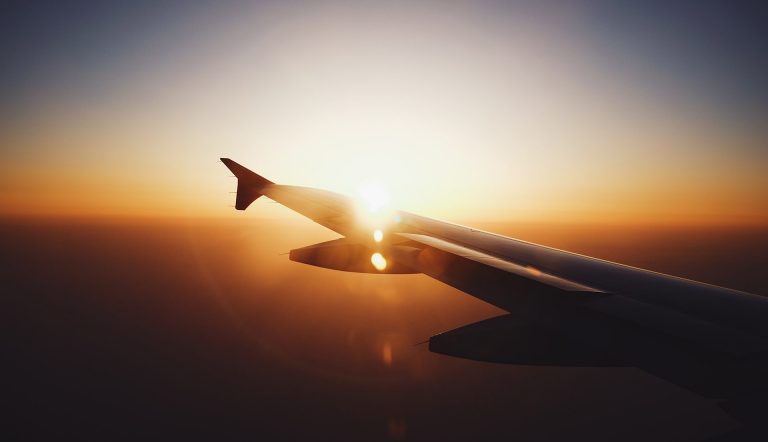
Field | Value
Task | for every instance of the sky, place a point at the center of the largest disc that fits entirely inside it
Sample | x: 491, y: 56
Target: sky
x: 136, y: 290
x: 576, y: 111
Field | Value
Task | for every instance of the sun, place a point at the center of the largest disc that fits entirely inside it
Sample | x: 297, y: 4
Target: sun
x: 374, y: 212
x: 374, y: 196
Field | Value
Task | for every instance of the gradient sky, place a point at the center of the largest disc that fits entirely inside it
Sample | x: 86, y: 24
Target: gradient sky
x: 581, y: 111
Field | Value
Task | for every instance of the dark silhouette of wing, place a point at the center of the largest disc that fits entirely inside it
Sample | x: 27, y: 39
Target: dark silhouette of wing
x: 564, y: 309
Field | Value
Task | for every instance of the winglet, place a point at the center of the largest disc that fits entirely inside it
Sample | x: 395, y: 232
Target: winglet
x: 249, y: 184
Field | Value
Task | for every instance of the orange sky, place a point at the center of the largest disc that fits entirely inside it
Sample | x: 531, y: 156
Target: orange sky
x: 462, y: 114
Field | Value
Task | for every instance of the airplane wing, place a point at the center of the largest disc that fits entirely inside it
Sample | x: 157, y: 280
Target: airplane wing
x: 564, y: 309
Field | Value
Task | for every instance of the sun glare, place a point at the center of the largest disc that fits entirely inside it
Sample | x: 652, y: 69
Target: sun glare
x: 378, y: 261
x: 374, y: 195
x: 374, y: 212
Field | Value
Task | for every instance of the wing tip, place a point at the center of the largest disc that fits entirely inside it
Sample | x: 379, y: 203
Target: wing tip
x: 249, y: 183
